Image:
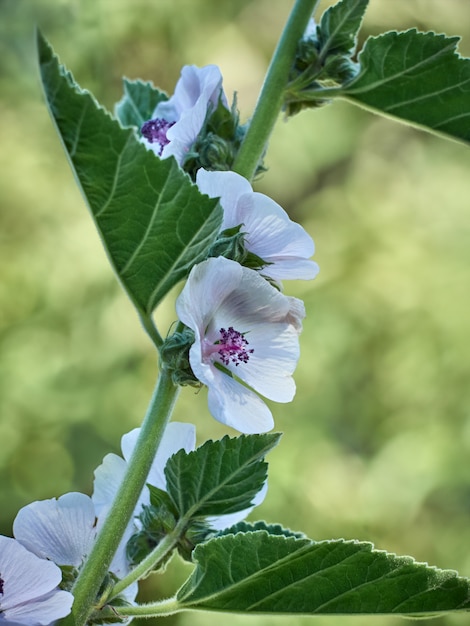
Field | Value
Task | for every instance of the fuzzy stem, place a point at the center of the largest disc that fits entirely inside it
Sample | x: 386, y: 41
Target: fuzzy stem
x: 271, y: 98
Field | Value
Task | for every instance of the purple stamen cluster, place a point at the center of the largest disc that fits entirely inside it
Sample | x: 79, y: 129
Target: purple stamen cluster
x: 233, y: 347
x: 155, y: 132
x: 1, y: 585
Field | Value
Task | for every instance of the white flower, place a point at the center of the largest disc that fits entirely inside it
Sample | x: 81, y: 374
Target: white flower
x: 246, y: 338
x: 177, y: 436
x: 63, y: 530
x: 269, y: 232
x: 176, y: 123
x: 28, y: 587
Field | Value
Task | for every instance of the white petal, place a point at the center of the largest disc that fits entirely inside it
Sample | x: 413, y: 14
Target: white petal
x: 229, y: 187
x: 41, y: 611
x: 108, y: 477
x: 208, y: 285
x: 62, y: 530
x: 177, y: 435
x: 233, y: 404
x: 30, y: 581
x: 220, y: 522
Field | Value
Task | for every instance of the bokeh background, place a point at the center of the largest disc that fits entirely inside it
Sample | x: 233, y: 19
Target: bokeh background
x: 376, y: 444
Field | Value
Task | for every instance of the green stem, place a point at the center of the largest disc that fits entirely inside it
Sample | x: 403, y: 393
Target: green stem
x: 151, y: 329
x: 165, y: 546
x: 271, y: 98
x: 155, y: 609
x: 96, y: 566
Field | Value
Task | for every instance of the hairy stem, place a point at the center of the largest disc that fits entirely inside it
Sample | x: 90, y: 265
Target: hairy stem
x: 271, y: 97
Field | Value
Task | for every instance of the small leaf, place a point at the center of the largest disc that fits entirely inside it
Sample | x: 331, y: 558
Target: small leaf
x: 339, y: 26
x: 138, y: 102
x: 219, y: 477
x: 154, y: 223
x: 261, y: 573
x: 418, y: 77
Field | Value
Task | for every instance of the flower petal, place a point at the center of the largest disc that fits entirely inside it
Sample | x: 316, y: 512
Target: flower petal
x: 229, y: 187
x: 233, y: 404
x: 61, y: 530
x: 29, y: 586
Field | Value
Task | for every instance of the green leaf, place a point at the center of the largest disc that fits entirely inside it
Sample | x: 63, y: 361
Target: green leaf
x: 154, y: 223
x: 339, y: 26
x: 272, y: 529
x: 418, y: 77
x: 219, y: 477
x: 138, y: 102
x: 261, y: 573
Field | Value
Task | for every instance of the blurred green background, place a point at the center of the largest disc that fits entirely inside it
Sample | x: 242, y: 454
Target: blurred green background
x: 377, y: 441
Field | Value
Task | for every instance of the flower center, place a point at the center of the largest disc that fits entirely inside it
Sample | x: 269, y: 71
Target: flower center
x: 155, y: 132
x: 231, y: 347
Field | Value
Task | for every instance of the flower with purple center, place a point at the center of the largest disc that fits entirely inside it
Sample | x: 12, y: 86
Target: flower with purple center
x: 28, y: 588
x: 270, y: 234
x: 227, y: 306
x: 177, y: 122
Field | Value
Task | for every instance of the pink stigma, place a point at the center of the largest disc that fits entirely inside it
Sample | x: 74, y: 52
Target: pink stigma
x: 232, y: 347
x: 155, y: 132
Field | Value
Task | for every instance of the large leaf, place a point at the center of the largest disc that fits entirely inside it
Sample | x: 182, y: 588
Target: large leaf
x: 138, y: 102
x: 153, y: 221
x: 418, y: 77
x: 219, y: 477
x: 339, y: 26
x: 261, y: 573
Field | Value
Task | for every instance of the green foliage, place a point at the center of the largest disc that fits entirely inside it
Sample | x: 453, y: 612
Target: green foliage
x: 138, y: 102
x: 220, y: 477
x: 153, y: 221
x: 418, y: 77
x: 292, y: 575
x: 339, y: 25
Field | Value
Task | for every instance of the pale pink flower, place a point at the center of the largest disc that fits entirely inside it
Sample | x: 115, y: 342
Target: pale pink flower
x: 283, y: 244
x: 246, y: 341
x: 176, y: 123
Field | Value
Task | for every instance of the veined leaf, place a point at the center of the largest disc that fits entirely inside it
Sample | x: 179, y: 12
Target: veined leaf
x: 250, y: 527
x: 339, y: 26
x: 154, y: 223
x: 138, y: 102
x: 261, y: 573
x: 219, y: 477
x: 418, y: 77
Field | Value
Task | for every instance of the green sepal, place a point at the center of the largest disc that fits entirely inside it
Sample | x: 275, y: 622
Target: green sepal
x: 174, y: 355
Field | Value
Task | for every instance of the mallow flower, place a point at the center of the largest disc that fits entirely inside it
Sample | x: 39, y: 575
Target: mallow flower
x: 282, y: 244
x: 177, y: 122
x: 177, y: 436
x: 28, y: 588
x: 63, y: 530
x: 246, y: 341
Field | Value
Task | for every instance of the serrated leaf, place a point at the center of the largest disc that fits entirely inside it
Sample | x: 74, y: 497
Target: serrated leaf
x: 138, y: 102
x: 220, y: 477
x: 418, y: 77
x: 153, y: 221
x: 339, y: 26
x: 261, y: 573
x: 271, y: 529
